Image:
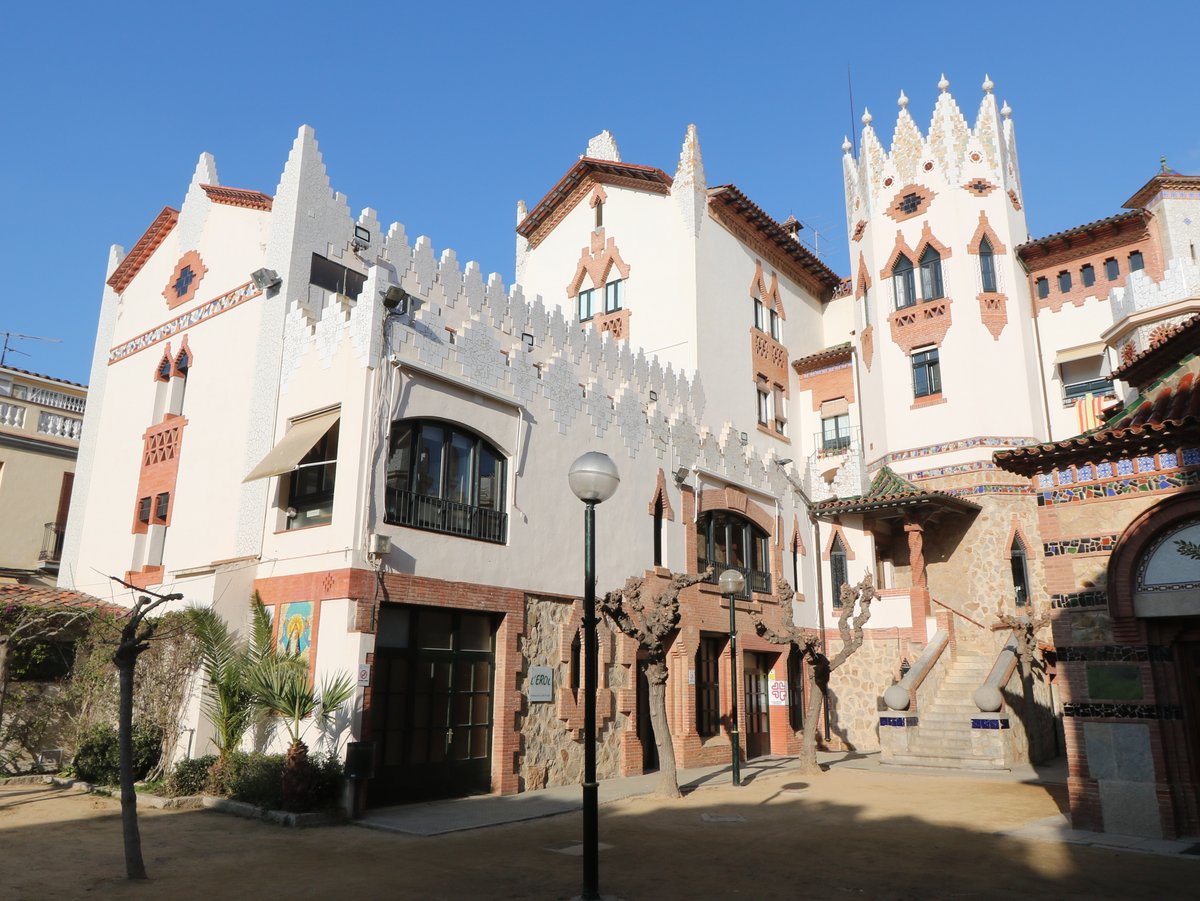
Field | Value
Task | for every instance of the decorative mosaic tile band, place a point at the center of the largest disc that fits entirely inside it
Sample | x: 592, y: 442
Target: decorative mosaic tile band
x: 989, y: 724
x: 962, y: 444
x: 989, y: 489
x: 186, y: 321
x: 898, y: 721
x: 1115, y: 653
x: 1094, y: 597
x: 1117, y: 487
x: 1126, y: 466
x: 809, y: 373
x: 1095, y: 544
x: 956, y: 469
x: 1125, y: 711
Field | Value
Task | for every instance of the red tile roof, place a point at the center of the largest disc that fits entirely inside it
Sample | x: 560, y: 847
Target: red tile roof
x: 145, y: 246
x: 731, y: 197
x: 891, y: 493
x: 1082, y: 235
x: 1165, y: 413
x: 821, y: 357
x: 54, y: 598
x: 251, y: 200
x: 1162, y: 181
x: 646, y: 178
x: 40, y: 375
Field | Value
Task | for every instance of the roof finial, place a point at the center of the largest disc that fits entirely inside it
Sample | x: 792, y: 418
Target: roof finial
x: 987, y: 83
x: 1006, y: 110
x: 902, y: 100
x: 1162, y: 161
x: 866, y: 116
x: 846, y: 145
x: 943, y: 83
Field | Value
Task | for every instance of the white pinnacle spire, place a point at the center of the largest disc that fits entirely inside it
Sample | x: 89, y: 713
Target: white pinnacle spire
x: 866, y: 116
x: 902, y: 100
x: 689, y: 188
x: 987, y: 83
x: 943, y: 84
x: 604, y: 147
x: 1006, y: 110
x: 846, y: 145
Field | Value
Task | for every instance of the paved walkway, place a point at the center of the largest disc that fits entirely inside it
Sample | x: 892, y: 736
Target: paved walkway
x: 460, y: 814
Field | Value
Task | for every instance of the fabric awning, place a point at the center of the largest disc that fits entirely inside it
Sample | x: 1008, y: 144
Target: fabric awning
x: 292, y: 447
x: 1095, y: 349
x: 837, y: 407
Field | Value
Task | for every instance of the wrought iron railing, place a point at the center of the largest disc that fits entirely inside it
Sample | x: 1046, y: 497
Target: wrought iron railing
x: 833, y: 444
x: 52, y: 543
x: 756, y: 580
x: 1095, y: 386
x: 435, y: 514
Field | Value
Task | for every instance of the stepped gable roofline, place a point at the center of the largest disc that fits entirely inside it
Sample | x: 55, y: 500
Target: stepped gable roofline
x: 151, y: 238
x: 1162, y: 181
x: 1152, y: 361
x: 243, y: 197
x: 55, y: 599
x: 731, y: 198
x: 834, y: 354
x: 1082, y: 235
x: 891, y: 496
x: 1165, y: 413
x: 42, y: 375
x: 648, y: 178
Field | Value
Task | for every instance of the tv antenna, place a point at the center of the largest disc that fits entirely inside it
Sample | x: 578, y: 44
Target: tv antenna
x: 8, y: 348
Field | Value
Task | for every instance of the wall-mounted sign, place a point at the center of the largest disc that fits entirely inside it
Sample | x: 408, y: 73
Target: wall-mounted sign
x: 777, y: 691
x: 541, y: 684
x: 691, y: 677
x: 364, y: 674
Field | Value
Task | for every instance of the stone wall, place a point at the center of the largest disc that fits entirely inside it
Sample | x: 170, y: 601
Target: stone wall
x: 856, y: 688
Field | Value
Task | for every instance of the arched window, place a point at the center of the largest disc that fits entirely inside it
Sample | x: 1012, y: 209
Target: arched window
x: 931, y: 274
x: 1020, y: 575
x: 903, y: 284
x: 729, y: 541
x: 837, y: 569
x: 987, y: 266
x: 444, y: 478
x: 658, y: 530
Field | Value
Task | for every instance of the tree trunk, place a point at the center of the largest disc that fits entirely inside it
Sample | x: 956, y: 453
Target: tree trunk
x: 3, y: 675
x: 296, y: 778
x: 135, y: 868
x: 668, y: 776
x: 812, y: 713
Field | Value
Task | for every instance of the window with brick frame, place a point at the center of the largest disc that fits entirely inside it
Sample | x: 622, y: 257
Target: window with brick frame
x: 931, y: 275
x: 162, y: 503
x: 587, y: 304
x: 614, y: 296
x: 708, y: 686
x: 903, y: 283
x: 764, y: 406
x: 1020, y: 575
x: 1064, y: 282
x: 776, y: 327
x: 927, y: 373
x: 837, y: 569
x: 987, y: 266
x: 1043, y: 287
x: 760, y: 315
x: 1112, y: 269
x: 143, y: 512
x: 1136, y: 262
x: 1087, y: 275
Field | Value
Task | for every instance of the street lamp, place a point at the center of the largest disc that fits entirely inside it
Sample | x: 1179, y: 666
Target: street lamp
x: 593, y: 478
x: 732, y: 584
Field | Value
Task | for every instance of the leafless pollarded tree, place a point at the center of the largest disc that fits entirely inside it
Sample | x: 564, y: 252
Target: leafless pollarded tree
x: 855, y: 611
x: 652, y: 622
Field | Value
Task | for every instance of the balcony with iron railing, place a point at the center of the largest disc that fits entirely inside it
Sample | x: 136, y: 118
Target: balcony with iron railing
x: 757, y: 581
x: 52, y: 545
x: 436, y: 514
x: 835, y: 466
x: 1098, y: 387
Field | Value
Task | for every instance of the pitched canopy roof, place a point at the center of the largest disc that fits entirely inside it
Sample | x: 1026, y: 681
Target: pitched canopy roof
x: 1153, y: 360
x: 891, y: 496
x: 12, y: 594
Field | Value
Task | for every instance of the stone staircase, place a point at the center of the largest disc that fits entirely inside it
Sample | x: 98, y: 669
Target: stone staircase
x: 943, y: 736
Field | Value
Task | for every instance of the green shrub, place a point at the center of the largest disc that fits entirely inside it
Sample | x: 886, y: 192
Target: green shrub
x: 258, y: 779
x: 190, y: 777
x: 98, y: 759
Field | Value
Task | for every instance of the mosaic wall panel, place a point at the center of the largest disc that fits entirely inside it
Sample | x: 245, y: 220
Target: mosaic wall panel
x: 1096, y: 597
x: 989, y: 724
x: 1125, y: 711
x: 962, y: 444
x: 1166, y: 471
x: 989, y: 489
x: 1094, y: 544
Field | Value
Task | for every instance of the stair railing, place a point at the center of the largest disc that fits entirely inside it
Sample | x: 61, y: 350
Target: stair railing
x: 989, y: 696
x: 900, y: 695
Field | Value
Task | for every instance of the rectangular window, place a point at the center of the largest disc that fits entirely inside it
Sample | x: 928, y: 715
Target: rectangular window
x: 708, y: 687
x: 1088, y: 275
x: 764, y: 407
x: 780, y: 410
x: 760, y: 316
x: 1064, y: 282
x: 144, y: 510
x: 587, y: 304
x: 927, y: 375
x: 1136, y: 263
x: 987, y: 272
x: 904, y: 287
x: 1112, y: 269
x: 866, y: 307
x: 310, y: 486
x: 1043, y: 287
x: 776, y: 330
x: 335, y: 278
x: 161, y: 503
x: 1082, y: 377
x: 614, y: 296
x: 835, y: 433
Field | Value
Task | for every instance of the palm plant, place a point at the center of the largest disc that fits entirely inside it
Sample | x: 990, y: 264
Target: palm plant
x: 231, y: 703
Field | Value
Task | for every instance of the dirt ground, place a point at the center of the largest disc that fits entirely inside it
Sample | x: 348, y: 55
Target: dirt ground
x: 842, y: 834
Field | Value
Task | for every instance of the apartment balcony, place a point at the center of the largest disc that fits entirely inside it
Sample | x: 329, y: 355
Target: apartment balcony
x: 835, y: 468
x: 52, y: 545
x: 756, y: 580
x: 436, y: 514
x: 40, y: 413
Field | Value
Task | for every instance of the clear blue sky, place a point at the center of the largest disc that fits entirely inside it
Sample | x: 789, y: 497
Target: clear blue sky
x: 442, y: 115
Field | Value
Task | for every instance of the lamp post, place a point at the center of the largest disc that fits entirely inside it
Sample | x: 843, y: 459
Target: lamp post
x: 732, y: 584
x: 593, y: 479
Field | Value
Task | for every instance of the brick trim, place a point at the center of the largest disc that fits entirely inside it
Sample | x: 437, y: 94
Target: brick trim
x: 925, y: 194
x: 595, y: 262
x: 984, y: 230
x: 199, y: 270
x: 1132, y: 543
x: 660, y: 495
x: 835, y: 529
x: 769, y: 295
